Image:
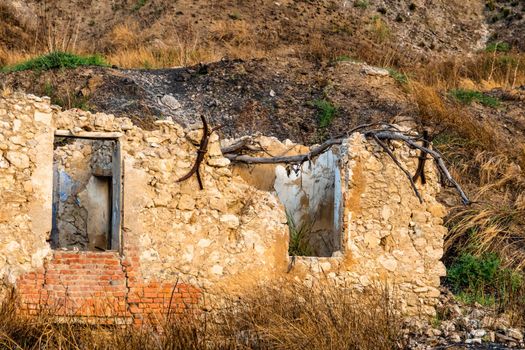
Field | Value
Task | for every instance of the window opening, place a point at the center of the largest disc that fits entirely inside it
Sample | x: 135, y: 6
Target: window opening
x: 312, y: 197
x: 86, y: 194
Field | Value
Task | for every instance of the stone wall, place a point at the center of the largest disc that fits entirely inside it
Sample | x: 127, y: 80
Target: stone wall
x: 221, y: 239
x: 26, y: 182
x: 388, y: 235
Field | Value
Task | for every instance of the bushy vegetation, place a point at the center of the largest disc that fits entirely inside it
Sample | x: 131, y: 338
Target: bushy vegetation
x: 498, y: 47
x: 469, y: 96
x: 363, y: 4
x: 398, y: 76
x: 288, y: 316
x: 326, y: 112
x: 56, y: 60
x: 482, y: 279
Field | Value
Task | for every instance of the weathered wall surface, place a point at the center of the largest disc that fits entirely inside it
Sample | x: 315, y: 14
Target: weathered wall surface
x: 311, y: 194
x: 388, y: 235
x: 26, y: 181
x: 225, y: 237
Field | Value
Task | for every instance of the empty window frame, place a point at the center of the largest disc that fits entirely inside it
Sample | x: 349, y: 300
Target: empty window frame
x: 86, y: 192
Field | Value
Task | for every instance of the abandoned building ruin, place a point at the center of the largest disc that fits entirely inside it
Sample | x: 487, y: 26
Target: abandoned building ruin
x: 93, y: 222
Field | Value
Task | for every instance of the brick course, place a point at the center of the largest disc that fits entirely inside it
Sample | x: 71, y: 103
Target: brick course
x: 104, y: 285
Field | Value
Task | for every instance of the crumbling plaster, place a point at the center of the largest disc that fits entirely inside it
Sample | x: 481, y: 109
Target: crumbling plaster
x: 230, y: 234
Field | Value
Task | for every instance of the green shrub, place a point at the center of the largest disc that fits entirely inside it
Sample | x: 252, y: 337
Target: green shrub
x: 139, y: 5
x: 498, y: 47
x: 56, y: 60
x: 398, y: 76
x: 468, y: 96
x: 363, y: 4
x: 482, y: 279
x: 326, y: 112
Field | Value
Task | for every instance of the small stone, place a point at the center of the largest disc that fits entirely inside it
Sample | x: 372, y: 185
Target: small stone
x: 43, y: 117
x: 219, y: 162
x: 17, y: 124
x: 478, y: 333
x: 476, y: 341
x: 230, y: 220
x: 4, y: 164
x: 515, y: 334
x: 204, y: 243
x: 491, y: 337
x: 217, y: 270
x: 374, y: 71
x: 503, y: 338
x: 186, y: 202
x: 126, y: 124
x: 170, y: 102
x: 272, y: 93
x: 19, y: 160
x: 454, y: 338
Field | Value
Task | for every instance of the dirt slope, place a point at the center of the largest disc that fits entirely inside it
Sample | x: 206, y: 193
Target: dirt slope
x: 406, y: 31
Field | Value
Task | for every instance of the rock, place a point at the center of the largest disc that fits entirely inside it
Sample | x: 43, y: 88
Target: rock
x: 217, y: 270
x: 43, y: 117
x: 204, y: 243
x: 454, y: 338
x: 374, y: 71
x: 230, y: 220
x: 272, y: 93
x: 478, y: 333
x: 219, y: 162
x: 170, y: 102
x: 476, y: 341
x: 503, y: 338
x: 19, y: 160
x: 515, y: 334
x: 4, y: 164
x: 491, y: 337
x: 186, y: 202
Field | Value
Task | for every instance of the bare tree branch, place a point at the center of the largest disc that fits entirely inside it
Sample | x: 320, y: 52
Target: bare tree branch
x: 203, y: 148
x: 389, y: 135
x: 394, y: 158
x: 387, y: 132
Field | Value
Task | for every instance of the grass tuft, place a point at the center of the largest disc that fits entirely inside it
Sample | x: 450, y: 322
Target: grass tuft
x: 398, y: 76
x: 498, y: 47
x: 482, y: 279
x: 299, y: 238
x: 56, y: 60
x: 468, y: 96
x: 326, y: 112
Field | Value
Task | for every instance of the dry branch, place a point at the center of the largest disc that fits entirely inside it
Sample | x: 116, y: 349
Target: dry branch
x: 201, y: 152
x: 385, y: 133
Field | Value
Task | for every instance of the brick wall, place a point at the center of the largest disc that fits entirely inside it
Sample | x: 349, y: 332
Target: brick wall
x: 102, y: 286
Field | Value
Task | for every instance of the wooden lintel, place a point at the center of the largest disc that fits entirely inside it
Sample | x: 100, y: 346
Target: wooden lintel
x: 89, y: 134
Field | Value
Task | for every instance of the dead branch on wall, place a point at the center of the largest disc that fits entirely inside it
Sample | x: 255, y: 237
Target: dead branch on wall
x: 381, y: 133
x: 201, y: 152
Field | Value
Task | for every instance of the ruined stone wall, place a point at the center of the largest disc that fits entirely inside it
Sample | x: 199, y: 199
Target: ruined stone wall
x: 177, y: 239
x: 173, y: 234
x: 26, y: 177
x: 388, y: 235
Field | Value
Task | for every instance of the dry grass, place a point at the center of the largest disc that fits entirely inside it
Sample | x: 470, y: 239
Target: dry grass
x: 483, y: 69
x: 441, y: 116
x: 495, y: 222
x: 280, y: 317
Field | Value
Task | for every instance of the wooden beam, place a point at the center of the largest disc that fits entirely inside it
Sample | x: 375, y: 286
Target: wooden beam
x: 89, y: 134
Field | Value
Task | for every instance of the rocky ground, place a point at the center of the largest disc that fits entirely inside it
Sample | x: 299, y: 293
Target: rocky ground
x: 464, y: 327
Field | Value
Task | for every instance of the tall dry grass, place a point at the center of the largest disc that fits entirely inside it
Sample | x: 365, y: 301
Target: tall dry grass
x: 483, y: 69
x: 290, y: 316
